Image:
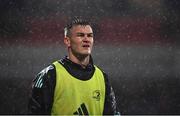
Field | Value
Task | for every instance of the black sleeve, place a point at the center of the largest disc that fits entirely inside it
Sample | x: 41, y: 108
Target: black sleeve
x: 42, y: 93
x: 110, y: 106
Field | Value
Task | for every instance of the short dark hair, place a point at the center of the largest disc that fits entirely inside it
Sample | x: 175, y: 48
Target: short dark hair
x: 73, y: 22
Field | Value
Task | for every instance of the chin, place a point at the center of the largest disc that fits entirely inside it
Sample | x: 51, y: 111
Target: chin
x: 86, y: 54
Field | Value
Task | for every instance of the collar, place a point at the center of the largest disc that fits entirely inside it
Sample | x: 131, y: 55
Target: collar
x: 71, y: 63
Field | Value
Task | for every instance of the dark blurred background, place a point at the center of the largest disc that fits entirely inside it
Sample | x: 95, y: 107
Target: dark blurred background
x: 136, y: 43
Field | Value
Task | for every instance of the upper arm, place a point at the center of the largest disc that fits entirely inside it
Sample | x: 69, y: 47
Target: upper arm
x: 41, y: 96
x: 110, y: 105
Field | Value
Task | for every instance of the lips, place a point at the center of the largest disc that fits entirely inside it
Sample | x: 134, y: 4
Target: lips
x: 86, y: 46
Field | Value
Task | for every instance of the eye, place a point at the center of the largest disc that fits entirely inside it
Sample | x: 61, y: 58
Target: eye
x: 90, y: 35
x: 80, y: 34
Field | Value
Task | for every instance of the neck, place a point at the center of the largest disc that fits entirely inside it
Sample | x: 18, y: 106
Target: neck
x: 81, y: 60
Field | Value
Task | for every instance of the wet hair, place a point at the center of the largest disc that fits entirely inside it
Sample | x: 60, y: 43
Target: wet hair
x: 75, y: 21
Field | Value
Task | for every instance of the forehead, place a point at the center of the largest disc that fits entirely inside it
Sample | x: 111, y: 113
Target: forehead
x: 82, y: 28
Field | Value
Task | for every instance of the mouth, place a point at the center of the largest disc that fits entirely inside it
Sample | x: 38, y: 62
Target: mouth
x: 86, y: 46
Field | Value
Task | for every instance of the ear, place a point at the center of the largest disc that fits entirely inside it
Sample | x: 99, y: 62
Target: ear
x: 67, y: 41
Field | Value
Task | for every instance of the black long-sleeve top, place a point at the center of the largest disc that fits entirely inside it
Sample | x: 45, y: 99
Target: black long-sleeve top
x: 43, y: 86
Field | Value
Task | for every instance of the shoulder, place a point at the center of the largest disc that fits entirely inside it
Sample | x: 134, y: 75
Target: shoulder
x: 47, y: 74
x: 104, y: 73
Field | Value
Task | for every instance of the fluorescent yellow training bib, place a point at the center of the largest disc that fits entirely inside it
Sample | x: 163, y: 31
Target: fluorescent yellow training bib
x: 74, y: 96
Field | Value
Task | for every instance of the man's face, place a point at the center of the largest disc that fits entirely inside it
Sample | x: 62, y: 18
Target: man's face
x: 81, y: 40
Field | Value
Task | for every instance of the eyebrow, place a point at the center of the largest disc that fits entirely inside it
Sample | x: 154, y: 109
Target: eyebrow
x: 80, y: 33
x: 83, y: 33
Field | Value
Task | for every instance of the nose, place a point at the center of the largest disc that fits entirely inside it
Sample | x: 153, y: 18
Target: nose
x: 85, y: 35
x: 86, y: 38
